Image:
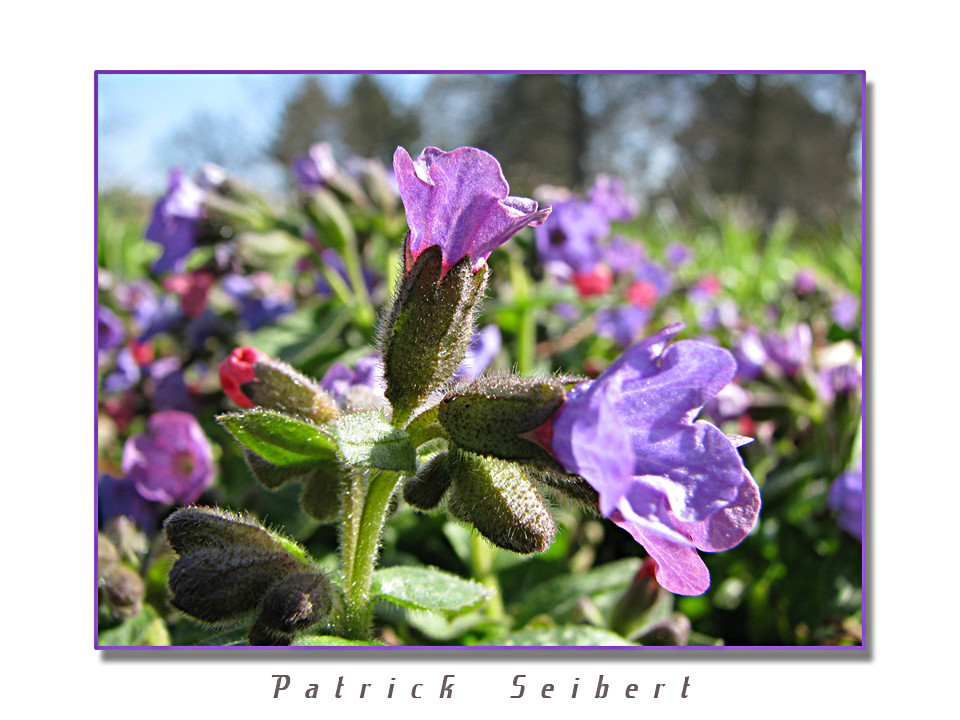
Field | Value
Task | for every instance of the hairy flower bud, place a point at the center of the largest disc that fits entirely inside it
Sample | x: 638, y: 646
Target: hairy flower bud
x: 500, y: 500
x: 252, y: 379
x: 502, y: 416
x: 426, y: 490
x: 230, y: 567
x: 428, y: 329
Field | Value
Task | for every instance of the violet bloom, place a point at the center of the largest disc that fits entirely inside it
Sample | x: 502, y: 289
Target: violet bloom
x: 846, y: 499
x: 677, y: 254
x: 569, y: 242
x: 318, y: 166
x: 805, y: 281
x: 845, y: 311
x: 120, y: 497
x: 484, y: 346
x: 361, y: 384
x: 624, y: 255
x: 790, y: 351
x: 459, y: 201
x: 256, y: 308
x: 172, y: 462
x: 110, y: 332
x: 840, y: 380
x: 174, y: 221
x: 125, y: 373
x: 610, y: 198
x: 622, y: 324
x: 170, y: 391
x: 750, y: 354
x: 675, y: 484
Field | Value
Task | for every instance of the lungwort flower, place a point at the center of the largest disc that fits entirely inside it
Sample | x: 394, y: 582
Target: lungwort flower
x: 676, y: 484
x: 460, y: 201
x: 174, y: 221
x: 172, y: 462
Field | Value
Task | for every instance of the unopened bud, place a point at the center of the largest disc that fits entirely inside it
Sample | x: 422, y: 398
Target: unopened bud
x: 426, y: 490
x: 252, y: 379
x: 321, y: 481
x: 674, y: 630
x: 295, y: 603
x: 428, y: 330
x: 642, y: 599
x: 501, y: 501
x: 228, y: 565
x: 502, y: 416
x: 123, y: 590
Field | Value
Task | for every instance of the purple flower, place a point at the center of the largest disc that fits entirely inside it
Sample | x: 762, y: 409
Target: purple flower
x: 318, y: 166
x: 125, y: 373
x: 677, y: 254
x: 257, y: 309
x: 805, y: 281
x: 839, y: 380
x: 569, y: 242
x: 120, y: 497
x: 731, y: 402
x: 363, y: 382
x: 750, y: 354
x: 110, y: 332
x: 622, y: 324
x: 623, y: 255
x: 174, y: 221
x: 460, y: 201
x: 609, y: 197
x: 172, y: 462
x: 170, y: 391
x: 484, y: 346
x: 675, y: 484
x: 846, y: 499
x: 790, y: 351
x: 845, y: 311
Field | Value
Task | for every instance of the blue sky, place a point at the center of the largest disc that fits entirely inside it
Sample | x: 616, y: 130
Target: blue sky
x: 138, y: 112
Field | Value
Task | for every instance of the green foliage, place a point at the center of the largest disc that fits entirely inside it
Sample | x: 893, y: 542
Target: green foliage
x: 428, y: 589
x: 366, y: 439
x: 278, y: 438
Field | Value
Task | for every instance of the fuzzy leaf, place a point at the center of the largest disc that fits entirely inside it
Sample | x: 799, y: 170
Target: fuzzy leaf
x: 558, y: 597
x: 562, y: 636
x: 366, y: 439
x: 424, y: 588
x: 313, y: 640
x: 278, y: 438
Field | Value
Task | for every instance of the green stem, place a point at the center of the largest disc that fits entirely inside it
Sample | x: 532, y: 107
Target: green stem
x: 527, y: 332
x: 358, y: 576
x: 351, y: 260
x: 482, y: 556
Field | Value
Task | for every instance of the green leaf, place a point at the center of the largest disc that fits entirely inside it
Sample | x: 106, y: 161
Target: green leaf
x: 366, y: 439
x: 330, y: 640
x: 147, y: 628
x: 563, y: 635
x: 278, y: 438
x: 425, y: 588
x: 558, y: 598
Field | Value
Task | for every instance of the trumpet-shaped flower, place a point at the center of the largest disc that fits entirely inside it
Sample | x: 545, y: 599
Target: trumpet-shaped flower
x: 676, y: 484
x: 459, y: 201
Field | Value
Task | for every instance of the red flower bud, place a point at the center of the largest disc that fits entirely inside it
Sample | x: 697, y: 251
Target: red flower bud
x: 236, y: 370
x: 642, y: 294
x: 595, y: 282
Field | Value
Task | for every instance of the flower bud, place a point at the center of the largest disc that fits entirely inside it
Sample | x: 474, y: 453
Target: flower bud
x: 501, y: 501
x: 123, y: 590
x: 428, y: 329
x: 503, y: 416
x: 426, y: 490
x: 230, y: 566
x: 674, y: 630
x: 252, y: 379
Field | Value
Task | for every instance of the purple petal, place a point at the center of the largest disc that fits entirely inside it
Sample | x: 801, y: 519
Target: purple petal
x: 679, y: 568
x: 460, y: 201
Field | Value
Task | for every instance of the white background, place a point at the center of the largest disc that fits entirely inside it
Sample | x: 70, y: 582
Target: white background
x: 48, y: 589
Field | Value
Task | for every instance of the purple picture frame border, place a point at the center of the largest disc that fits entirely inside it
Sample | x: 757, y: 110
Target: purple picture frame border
x: 863, y: 651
